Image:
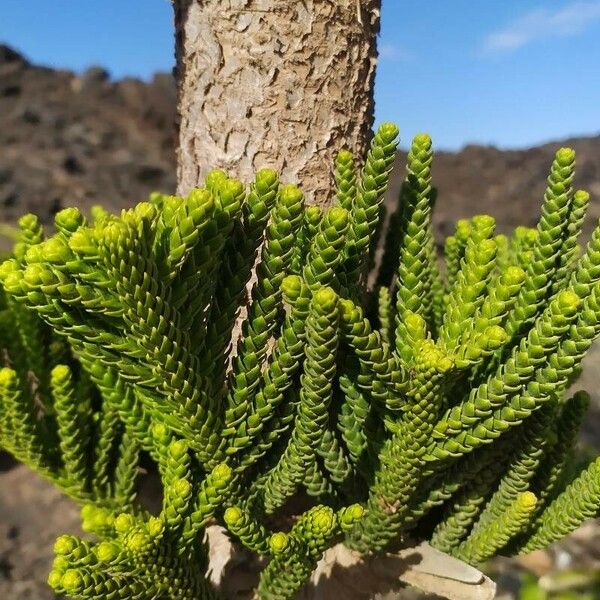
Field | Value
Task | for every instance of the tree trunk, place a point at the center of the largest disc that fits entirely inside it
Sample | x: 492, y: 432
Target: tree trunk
x: 274, y: 83
x: 286, y: 84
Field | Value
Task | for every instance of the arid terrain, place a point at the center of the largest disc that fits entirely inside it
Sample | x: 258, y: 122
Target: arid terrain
x: 85, y: 139
x: 68, y: 139
x: 81, y: 140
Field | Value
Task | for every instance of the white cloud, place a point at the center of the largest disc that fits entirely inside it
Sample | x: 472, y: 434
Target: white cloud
x: 543, y: 23
x: 393, y: 52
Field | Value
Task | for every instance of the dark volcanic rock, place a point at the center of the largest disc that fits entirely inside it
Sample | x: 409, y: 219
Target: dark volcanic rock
x: 8, y: 54
x: 81, y: 140
x: 507, y: 184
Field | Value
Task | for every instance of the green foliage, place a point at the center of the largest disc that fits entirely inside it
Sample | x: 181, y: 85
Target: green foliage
x: 564, y: 584
x: 428, y: 404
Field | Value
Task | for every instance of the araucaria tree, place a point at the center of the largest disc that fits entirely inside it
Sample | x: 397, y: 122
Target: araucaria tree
x: 433, y: 404
x: 229, y: 335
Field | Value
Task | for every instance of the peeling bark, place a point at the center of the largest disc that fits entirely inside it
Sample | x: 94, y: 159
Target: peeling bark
x: 274, y: 83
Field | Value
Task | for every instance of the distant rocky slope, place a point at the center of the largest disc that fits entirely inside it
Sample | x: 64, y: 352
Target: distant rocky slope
x: 83, y: 139
x: 508, y: 184
x: 68, y: 139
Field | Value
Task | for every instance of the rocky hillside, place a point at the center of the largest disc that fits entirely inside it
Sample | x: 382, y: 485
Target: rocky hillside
x: 508, y: 184
x: 68, y: 139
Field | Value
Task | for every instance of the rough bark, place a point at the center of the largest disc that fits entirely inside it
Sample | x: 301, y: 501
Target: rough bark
x: 286, y: 84
x: 274, y: 83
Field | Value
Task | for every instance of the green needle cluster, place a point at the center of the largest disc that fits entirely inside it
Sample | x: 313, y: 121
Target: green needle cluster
x: 231, y: 341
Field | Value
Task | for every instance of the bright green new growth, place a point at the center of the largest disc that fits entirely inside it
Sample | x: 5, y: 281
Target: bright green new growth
x: 146, y: 336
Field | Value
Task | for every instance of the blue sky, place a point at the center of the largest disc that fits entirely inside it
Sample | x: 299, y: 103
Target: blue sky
x: 507, y: 72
